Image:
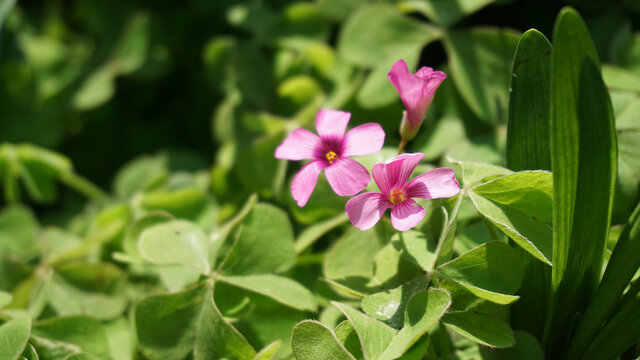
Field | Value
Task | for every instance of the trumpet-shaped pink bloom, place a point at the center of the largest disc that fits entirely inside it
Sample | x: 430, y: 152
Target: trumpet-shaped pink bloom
x: 331, y: 152
x: 416, y: 90
x: 397, y: 192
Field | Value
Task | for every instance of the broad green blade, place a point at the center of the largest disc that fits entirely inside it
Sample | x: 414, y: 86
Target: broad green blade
x: 622, y: 266
x: 313, y: 340
x: 583, y: 196
x: 528, y: 133
x: 621, y: 332
x: 571, y: 44
x: 528, y: 148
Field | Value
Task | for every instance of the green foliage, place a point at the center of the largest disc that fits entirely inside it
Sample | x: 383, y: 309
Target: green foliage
x: 198, y: 251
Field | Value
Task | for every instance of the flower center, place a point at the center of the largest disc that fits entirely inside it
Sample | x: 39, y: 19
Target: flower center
x: 331, y: 157
x: 396, y: 196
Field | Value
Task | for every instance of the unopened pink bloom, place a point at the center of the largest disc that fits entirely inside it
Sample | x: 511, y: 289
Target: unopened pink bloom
x: 415, y: 90
x: 331, y: 151
x: 397, y: 192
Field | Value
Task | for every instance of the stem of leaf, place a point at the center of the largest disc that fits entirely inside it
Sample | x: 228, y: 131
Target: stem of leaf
x: 445, y: 232
x: 84, y: 187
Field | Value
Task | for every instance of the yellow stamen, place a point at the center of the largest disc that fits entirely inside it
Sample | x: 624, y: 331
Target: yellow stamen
x: 331, y: 157
x: 396, y: 196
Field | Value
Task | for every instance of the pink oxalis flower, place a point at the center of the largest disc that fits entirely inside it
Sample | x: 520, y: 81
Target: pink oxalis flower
x: 416, y: 91
x: 397, y: 192
x: 331, y: 151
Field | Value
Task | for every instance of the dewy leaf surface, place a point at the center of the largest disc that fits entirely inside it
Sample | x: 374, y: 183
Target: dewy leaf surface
x: 492, y: 271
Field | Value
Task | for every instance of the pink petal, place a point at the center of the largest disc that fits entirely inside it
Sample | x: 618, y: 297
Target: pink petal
x: 365, y: 210
x: 305, y: 181
x: 406, y: 215
x: 437, y: 183
x: 331, y: 124
x: 363, y: 140
x: 347, y: 177
x: 394, y: 173
x: 299, y: 145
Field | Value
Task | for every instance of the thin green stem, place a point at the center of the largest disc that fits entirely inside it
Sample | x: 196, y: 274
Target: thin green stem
x: 447, y: 230
x: 84, y: 187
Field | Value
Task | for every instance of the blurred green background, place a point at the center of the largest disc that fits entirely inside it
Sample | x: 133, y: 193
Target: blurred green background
x: 221, y: 82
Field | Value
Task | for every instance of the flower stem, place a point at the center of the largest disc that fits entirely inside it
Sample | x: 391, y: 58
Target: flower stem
x: 84, y: 187
x: 450, y: 226
x: 444, y: 343
x: 403, y: 143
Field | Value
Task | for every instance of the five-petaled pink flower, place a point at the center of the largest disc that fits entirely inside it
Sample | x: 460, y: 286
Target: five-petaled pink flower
x: 331, y: 151
x: 416, y: 91
x: 397, y: 192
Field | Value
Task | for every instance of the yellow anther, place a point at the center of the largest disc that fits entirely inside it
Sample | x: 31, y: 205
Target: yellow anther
x: 331, y: 157
x: 396, y: 196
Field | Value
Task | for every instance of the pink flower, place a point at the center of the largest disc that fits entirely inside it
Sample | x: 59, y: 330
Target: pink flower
x: 416, y: 91
x: 397, y: 192
x: 331, y: 151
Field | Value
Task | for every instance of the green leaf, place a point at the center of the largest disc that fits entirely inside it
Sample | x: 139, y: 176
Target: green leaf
x: 18, y: 231
x: 591, y: 123
x: 139, y: 174
x: 621, y: 79
x: 526, y: 347
x: 621, y: 331
x: 314, y: 232
x: 354, y: 272
x: 96, y: 90
x: 265, y: 230
x: 130, y: 241
x: 528, y: 136
x: 416, y: 247
x: 348, y: 337
x: 14, y: 335
x: 379, y: 32
x: 176, y: 242
x: 216, y: 338
x: 481, y: 328
x: 166, y: 324
x: 390, y: 305
x: 621, y: 268
x: 446, y: 132
x: 374, y: 335
x: 520, y: 205
x: 82, y: 331
x: 279, y: 288
x: 475, y: 172
x: 446, y: 13
x: 392, y: 270
x: 269, y: 352
x: 423, y: 312
x: 571, y: 44
x: 5, y: 8
x: 492, y: 271
x: 5, y: 299
x: 313, y: 340
x: 480, y: 63
x: 120, y: 334
x: 131, y: 51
